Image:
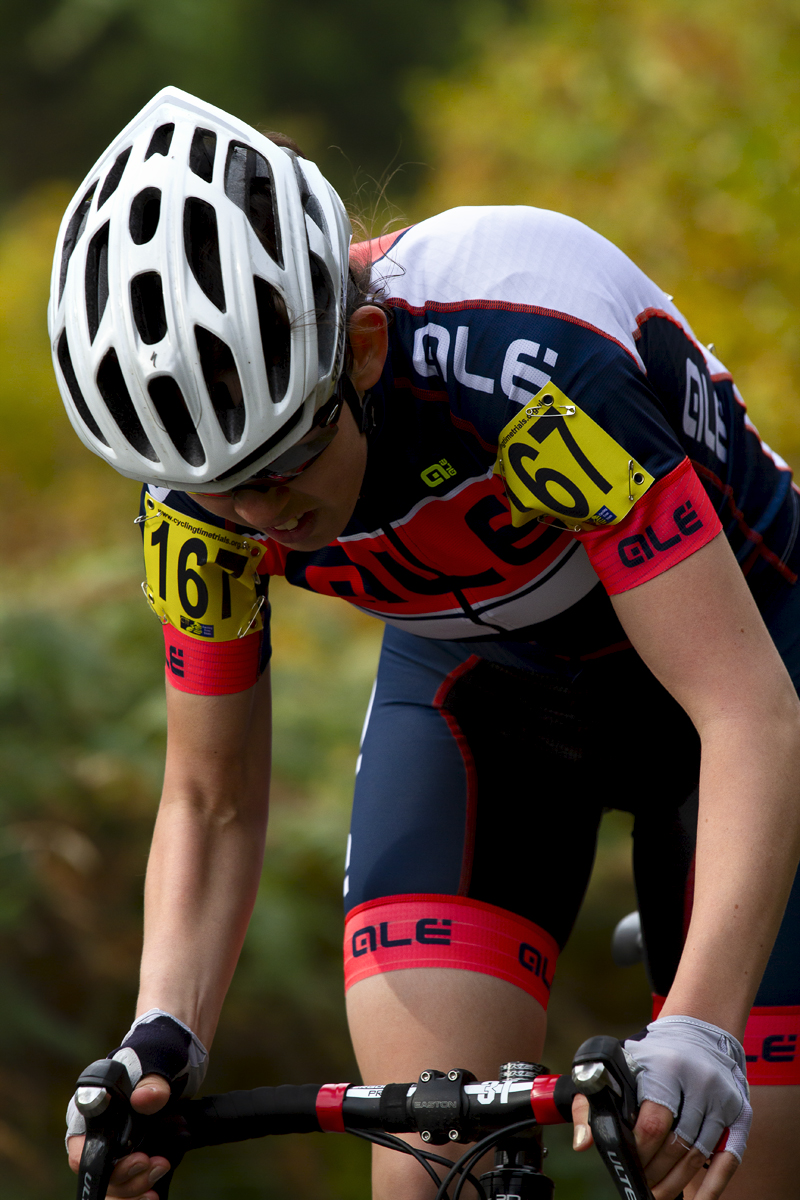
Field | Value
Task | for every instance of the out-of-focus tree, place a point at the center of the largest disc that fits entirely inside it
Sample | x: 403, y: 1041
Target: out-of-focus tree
x: 672, y: 129
x: 55, y: 495
x: 72, y: 72
x: 82, y: 719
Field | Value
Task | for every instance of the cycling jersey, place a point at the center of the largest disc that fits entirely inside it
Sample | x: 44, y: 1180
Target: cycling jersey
x: 548, y: 432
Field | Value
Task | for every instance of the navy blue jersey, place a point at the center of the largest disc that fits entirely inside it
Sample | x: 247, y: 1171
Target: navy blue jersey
x: 548, y: 432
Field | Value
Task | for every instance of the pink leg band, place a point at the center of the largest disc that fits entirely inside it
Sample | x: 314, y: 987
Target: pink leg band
x: 401, y: 932
x: 771, y: 1043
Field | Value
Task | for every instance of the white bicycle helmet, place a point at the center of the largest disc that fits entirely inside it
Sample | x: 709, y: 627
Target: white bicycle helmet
x: 197, y: 308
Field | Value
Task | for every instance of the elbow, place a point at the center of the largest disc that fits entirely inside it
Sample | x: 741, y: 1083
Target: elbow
x: 218, y: 802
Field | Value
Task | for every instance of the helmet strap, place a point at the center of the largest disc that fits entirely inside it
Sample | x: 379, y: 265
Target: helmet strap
x: 361, y: 409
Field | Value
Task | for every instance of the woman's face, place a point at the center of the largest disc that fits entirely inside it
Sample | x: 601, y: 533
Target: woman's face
x: 312, y: 510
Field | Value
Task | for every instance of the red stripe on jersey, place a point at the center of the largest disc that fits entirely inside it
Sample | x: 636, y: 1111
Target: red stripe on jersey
x: 436, y: 550
x: 771, y: 1043
x: 396, y: 933
x: 362, y: 253
x: 648, y: 313
x: 759, y: 548
x: 211, y: 668
x: 672, y: 520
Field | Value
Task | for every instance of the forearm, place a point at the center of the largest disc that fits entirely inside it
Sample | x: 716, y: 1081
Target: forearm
x: 206, y: 856
x: 748, y: 843
x: 201, y: 884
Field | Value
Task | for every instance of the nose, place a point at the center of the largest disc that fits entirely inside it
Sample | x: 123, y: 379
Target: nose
x: 261, y: 510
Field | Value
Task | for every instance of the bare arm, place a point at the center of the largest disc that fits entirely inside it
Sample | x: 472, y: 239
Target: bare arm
x: 207, y: 852
x: 202, y: 877
x: 698, y: 629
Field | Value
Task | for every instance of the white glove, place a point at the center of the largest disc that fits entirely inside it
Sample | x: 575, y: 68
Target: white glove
x: 697, y: 1071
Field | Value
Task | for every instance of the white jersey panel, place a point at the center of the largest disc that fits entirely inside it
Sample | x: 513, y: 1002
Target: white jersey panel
x: 522, y: 256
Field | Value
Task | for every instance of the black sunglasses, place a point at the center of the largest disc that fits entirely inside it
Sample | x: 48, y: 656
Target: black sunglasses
x: 300, y: 456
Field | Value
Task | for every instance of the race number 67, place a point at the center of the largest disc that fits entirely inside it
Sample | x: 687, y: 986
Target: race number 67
x: 537, y: 483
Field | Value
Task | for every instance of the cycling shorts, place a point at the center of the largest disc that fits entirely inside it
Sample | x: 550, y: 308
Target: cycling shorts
x: 484, y: 771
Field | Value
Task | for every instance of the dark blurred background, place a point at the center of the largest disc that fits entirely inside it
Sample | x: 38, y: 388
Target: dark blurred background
x: 671, y: 128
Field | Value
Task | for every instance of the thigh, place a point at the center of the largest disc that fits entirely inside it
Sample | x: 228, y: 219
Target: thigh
x: 768, y: 1170
x: 471, y: 782
x: 473, y: 827
x: 403, y: 1022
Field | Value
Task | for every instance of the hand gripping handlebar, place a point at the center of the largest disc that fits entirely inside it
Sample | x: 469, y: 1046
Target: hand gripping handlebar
x: 441, y: 1107
x: 601, y: 1072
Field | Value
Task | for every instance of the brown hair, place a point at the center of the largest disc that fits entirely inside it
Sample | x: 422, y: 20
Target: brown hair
x: 360, y: 290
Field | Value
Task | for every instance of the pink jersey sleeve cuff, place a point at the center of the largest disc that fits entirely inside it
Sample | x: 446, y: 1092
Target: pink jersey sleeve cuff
x: 211, y: 668
x: 672, y: 520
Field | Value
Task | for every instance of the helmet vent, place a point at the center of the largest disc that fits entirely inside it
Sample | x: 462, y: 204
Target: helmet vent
x: 160, y: 141
x: 97, y: 280
x: 111, y: 386
x: 265, y: 447
x: 249, y: 184
x: 74, y: 230
x: 68, y: 371
x: 273, y: 320
x: 223, y: 383
x: 201, y: 155
x: 171, y: 408
x: 145, y: 212
x: 325, y: 309
x: 113, y: 177
x: 311, y: 205
x: 201, y: 241
x: 147, y: 303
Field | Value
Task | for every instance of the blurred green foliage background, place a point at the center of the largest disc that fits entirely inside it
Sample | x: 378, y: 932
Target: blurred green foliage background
x: 670, y: 127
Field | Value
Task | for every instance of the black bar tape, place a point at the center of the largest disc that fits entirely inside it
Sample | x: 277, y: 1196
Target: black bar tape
x: 237, y: 1116
x: 563, y: 1095
x: 393, y: 1115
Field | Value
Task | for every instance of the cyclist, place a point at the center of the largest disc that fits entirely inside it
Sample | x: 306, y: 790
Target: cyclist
x: 495, y: 434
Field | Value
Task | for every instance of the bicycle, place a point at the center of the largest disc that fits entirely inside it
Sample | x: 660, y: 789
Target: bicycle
x: 507, y: 1114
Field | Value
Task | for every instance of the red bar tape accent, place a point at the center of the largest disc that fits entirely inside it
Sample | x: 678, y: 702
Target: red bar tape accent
x: 542, y: 1103
x: 771, y: 1043
x: 330, y: 1099
x: 672, y: 520
x: 400, y: 932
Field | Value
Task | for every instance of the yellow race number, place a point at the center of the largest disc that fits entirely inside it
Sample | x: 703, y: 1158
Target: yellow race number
x: 200, y: 578
x: 557, y: 462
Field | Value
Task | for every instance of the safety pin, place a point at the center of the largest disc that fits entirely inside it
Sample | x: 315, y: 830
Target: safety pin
x: 555, y: 525
x: 164, y: 620
x: 633, y: 477
x: 141, y: 519
x: 253, y: 616
x: 549, y: 408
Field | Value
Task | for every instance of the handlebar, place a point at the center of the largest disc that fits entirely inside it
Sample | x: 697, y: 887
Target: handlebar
x: 441, y: 1107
